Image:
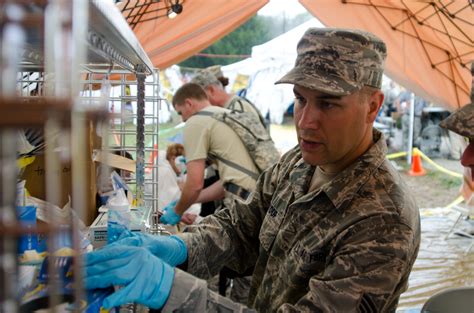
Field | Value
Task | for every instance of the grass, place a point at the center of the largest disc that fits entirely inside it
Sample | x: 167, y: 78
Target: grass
x: 446, y: 181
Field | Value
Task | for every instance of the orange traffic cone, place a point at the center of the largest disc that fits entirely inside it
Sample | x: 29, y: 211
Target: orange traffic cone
x: 416, y: 167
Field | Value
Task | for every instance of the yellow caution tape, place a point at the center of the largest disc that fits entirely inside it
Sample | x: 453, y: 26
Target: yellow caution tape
x: 396, y: 155
x: 438, y: 167
x: 459, y: 199
x: 427, y: 159
x: 456, y: 202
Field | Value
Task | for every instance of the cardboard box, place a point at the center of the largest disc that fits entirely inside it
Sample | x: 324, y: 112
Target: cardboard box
x: 35, y: 176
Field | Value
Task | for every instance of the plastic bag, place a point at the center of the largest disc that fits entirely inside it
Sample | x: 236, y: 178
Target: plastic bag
x: 119, y: 216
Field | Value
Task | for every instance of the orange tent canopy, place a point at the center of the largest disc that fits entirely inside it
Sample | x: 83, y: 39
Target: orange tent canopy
x: 202, y: 22
x: 436, y: 67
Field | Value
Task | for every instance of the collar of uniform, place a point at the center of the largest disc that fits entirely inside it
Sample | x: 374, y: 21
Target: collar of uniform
x: 300, y: 176
x: 345, y: 186
x: 209, y: 108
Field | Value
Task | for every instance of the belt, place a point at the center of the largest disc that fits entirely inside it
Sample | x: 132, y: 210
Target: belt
x: 237, y: 190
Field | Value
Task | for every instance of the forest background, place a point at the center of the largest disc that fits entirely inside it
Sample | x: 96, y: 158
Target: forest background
x: 238, y: 44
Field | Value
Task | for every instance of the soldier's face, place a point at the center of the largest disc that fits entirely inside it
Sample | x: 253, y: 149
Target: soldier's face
x: 467, y: 158
x: 333, y: 131
x: 184, y: 109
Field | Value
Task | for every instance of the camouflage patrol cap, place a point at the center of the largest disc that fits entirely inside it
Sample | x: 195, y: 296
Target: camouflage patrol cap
x: 215, y: 70
x: 337, y: 61
x: 205, y: 78
x: 461, y: 121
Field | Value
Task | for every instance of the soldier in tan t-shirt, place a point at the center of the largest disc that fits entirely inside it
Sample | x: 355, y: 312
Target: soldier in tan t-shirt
x: 206, y: 137
x: 198, y: 133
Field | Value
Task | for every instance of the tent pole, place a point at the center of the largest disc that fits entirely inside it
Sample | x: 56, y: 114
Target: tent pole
x: 410, y: 129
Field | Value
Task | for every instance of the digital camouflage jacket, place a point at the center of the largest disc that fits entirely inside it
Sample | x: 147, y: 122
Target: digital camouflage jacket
x: 347, y: 247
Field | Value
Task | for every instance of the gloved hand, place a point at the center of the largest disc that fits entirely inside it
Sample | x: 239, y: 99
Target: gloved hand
x: 170, y: 249
x: 170, y: 217
x: 145, y: 278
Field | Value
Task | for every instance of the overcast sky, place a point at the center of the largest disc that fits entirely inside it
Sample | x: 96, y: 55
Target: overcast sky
x: 281, y: 7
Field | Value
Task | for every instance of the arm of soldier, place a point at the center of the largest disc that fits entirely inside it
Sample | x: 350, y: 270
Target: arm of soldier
x: 192, y: 186
x: 367, y: 271
x: 214, y: 192
x: 190, y: 294
x: 230, y: 236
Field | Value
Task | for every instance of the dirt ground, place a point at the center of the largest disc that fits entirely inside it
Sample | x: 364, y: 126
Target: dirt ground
x: 435, y: 189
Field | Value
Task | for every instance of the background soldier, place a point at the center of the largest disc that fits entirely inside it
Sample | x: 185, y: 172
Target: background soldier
x: 204, y: 136
x: 218, y: 96
x: 462, y: 123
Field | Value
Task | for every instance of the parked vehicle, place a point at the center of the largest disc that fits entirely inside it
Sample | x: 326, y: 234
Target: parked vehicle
x: 430, y: 138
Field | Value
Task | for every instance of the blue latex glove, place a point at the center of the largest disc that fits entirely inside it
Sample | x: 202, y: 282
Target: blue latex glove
x: 145, y: 278
x: 170, y: 249
x: 170, y: 217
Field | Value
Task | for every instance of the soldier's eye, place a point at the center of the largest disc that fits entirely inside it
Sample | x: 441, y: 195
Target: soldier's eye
x: 300, y: 99
x: 326, y: 105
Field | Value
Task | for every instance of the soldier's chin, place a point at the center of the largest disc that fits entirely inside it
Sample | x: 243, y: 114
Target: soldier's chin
x: 310, y: 159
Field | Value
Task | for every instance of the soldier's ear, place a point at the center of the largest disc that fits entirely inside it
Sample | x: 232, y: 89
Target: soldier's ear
x: 375, y: 102
x: 188, y: 101
x: 209, y: 89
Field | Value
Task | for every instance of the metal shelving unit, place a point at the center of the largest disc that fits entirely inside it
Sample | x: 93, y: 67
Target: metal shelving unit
x: 55, y: 55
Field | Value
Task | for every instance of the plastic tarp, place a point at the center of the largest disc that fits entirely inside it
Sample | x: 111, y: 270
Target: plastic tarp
x: 201, y: 23
x: 409, y: 61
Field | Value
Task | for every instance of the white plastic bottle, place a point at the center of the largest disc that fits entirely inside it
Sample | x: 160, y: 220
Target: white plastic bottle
x: 119, y: 216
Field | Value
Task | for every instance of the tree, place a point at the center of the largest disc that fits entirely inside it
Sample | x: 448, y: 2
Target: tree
x: 257, y: 30
x: 239, y: 42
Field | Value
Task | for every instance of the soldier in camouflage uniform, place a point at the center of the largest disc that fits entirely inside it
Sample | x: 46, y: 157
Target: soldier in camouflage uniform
x: 209, y: 80
x: 462, y: 123
x: 331, y: 227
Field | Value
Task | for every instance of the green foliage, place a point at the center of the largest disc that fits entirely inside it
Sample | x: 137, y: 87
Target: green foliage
x: 240, y: 41
x: 446, y: 181
x: 255, y: 31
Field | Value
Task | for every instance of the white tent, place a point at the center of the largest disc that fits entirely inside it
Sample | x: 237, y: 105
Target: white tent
x: 268, y: 63
x: 246, y: 67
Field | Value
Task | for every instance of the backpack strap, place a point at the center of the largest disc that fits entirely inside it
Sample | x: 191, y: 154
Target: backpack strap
x: 236, y: 166
x: 225, y: 161
x: 233, y: 102
x: 260, y: 116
